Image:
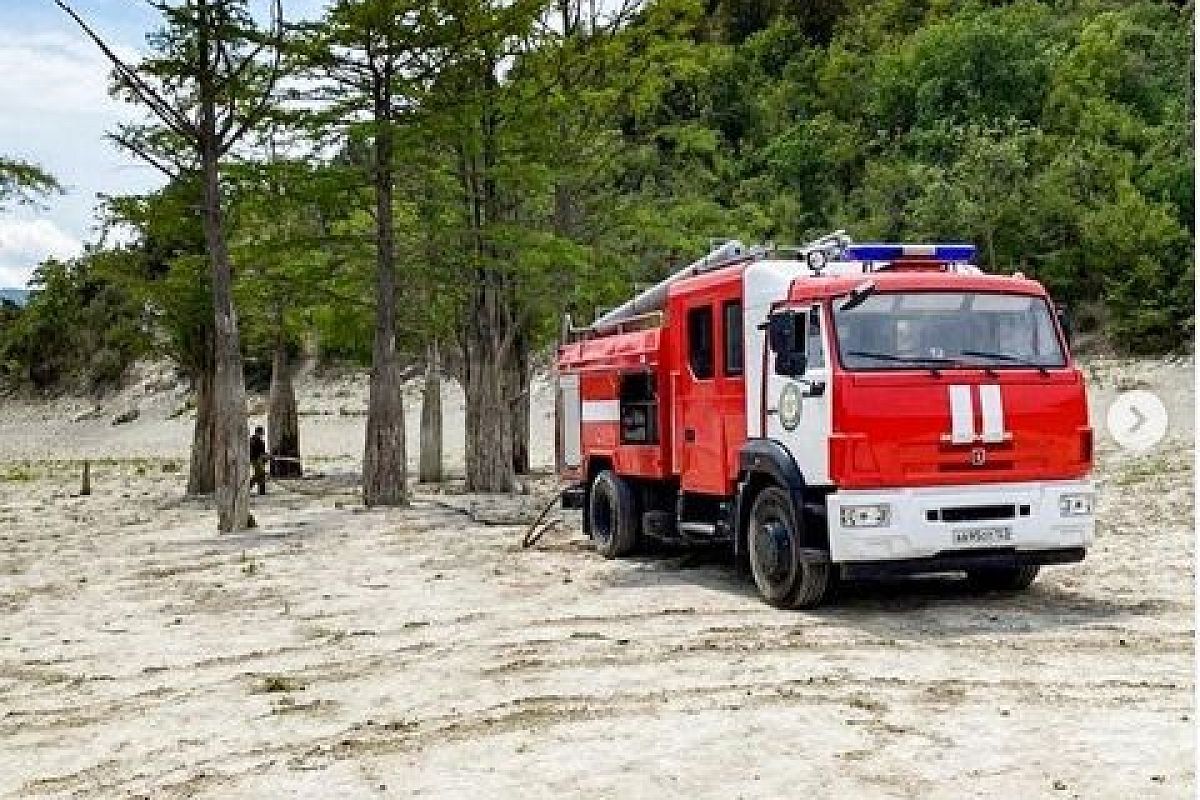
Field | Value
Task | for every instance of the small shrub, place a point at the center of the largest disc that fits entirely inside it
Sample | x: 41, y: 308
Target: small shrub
x: 279, y: 683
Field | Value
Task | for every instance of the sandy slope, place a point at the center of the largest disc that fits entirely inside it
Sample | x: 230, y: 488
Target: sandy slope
x: 338, y: 652
x: 332, y: 419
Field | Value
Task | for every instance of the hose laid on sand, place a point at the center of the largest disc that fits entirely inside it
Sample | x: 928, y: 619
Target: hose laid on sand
x: 537, y: 530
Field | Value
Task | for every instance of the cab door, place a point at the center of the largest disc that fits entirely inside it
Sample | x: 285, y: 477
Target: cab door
x: 798, y: 407
x: 700, y: 430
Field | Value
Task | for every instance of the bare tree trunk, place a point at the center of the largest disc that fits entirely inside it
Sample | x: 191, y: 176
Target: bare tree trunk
x: 489, y: 435
x: 519, y: 392
x: 283, y: 421
x: 489, y: 326
x: 385, y: 468
x: 201, y: 477
x: 232, y: 447
x: 431, y: 420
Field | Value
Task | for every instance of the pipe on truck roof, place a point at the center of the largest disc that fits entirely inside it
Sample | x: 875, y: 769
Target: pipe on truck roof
x: 655, y: 298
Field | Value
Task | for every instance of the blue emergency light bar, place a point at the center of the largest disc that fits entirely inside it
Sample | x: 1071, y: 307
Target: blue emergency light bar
x: 953, y: 253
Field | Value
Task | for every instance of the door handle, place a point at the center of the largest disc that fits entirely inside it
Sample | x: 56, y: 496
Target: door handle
x: 813, y: 388
x: 689, y: 434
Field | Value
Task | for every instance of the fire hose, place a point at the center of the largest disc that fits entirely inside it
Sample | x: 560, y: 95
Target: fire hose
x: 537, y: 530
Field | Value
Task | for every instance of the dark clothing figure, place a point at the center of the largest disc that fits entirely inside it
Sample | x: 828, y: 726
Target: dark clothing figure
x: 258, y: 460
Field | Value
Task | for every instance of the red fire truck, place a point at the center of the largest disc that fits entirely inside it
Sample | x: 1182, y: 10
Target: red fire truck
x: 832, y: 410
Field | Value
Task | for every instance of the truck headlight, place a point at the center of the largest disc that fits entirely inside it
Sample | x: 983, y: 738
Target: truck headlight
x: 876, y: 515
x: 1076, y: 504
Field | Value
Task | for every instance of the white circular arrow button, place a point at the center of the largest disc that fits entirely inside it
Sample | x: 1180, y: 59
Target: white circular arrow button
x: 1137, y: 420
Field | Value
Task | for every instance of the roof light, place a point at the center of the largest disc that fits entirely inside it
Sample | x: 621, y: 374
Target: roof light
x: 892, y: 252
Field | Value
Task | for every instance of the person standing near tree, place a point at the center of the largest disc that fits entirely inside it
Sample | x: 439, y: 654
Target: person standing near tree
x: 258, y: 459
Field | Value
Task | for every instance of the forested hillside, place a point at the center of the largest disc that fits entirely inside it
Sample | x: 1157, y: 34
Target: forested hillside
x: 544, y: 161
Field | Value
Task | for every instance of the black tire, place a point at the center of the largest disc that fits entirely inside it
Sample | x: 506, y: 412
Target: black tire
x: 1009, y: 579
x: 773, y: 542
x: 613, y: 515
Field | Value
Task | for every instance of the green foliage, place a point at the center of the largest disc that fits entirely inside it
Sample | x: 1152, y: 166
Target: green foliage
x: 77, y: 328
x: 566, y: 159
x: 165, y: 269
x: 1057, y: 137
x: 23, y: 183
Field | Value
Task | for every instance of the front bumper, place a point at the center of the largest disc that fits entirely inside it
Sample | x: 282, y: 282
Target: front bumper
x: 935, y: 523
x: 962, y: 561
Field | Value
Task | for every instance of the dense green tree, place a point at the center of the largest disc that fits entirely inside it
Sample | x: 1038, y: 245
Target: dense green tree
x: 207, y: 86
x: 78, y: 330
x: 371, y: 57
x: 164, y: 269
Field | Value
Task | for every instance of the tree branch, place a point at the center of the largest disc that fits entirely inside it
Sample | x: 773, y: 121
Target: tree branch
x: 170, y: 117
x: 138, y: 150
x: 228, y: 140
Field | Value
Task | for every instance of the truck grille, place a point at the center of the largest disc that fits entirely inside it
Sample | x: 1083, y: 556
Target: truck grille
x: 973, y: 513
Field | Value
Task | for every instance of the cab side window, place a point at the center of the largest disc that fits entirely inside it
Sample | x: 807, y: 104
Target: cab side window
x: 814, y: 349
x: 700, y: 341
x: 732, y: 311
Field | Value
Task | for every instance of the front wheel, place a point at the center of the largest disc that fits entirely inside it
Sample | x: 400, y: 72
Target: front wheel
x: 1011, y: 579
x: 613, y: 514
x: 775, y: 538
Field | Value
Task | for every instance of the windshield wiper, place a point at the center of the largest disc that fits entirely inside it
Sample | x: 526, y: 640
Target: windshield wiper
x: 1009, y: 357
x: 929, y: 362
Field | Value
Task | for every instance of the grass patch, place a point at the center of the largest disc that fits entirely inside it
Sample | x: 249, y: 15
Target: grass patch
x: 250, y: 565
x: 278, y: 683
x: 1145, y: 468
x: 18, y: 474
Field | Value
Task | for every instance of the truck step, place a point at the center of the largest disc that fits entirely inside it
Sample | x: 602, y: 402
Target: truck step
x: 702, y: 532
x: 698, y: 530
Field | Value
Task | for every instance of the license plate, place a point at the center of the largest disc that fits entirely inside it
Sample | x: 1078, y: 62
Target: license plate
x: 1001, y: 534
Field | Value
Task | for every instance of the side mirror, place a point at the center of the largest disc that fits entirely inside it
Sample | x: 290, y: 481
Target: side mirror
x: 790, y: 364
x: 785, y: 330
x: 1064, y: 322
x: 781, y: 331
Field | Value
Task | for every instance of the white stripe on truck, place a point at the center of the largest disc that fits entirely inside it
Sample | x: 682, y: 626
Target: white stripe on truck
x: 601, y: 411
x: 992, y: 405
x: 962, y: 415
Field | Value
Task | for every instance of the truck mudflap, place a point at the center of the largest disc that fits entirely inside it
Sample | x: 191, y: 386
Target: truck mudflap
x: 962, y: 561
x: 937, y: 524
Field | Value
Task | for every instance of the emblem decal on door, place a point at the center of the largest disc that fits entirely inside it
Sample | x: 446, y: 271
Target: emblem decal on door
x: 789, y: 406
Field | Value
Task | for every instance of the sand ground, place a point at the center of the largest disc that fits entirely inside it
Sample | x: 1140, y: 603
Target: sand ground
x: 338, y: 652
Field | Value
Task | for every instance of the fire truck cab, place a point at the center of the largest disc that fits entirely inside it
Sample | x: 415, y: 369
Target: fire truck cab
x: 834, y: 410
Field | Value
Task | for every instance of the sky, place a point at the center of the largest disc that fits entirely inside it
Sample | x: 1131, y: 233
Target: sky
x: 55, y: 111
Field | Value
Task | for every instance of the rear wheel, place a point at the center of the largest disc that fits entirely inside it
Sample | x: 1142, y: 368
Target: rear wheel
x: 613, y: 514
x: 774, y: 541
x: 1012, y: 579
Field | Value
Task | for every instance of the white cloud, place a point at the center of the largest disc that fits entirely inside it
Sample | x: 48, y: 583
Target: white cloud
x: 55, y: 111
x: 54, y: 72
x: 25, y: 243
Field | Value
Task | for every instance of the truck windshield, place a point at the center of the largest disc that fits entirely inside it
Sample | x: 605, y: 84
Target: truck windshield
x: 916, y: 330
